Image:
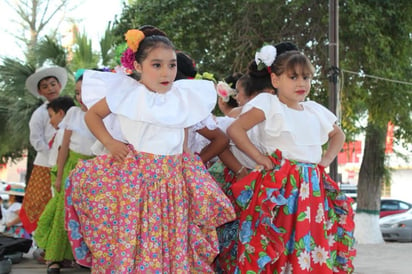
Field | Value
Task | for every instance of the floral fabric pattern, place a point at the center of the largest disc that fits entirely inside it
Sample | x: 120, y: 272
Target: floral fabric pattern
x: 51, y: 234
x: 148, y: 214
x: 294, y: 219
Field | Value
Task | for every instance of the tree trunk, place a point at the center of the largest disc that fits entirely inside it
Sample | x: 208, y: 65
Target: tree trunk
x: 367, y: 230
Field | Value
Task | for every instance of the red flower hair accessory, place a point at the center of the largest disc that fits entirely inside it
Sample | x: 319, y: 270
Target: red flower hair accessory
x: 133, y: 38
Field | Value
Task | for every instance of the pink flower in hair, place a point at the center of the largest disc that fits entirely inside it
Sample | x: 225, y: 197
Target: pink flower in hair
x: 127, y: 59
x: 224, y: 91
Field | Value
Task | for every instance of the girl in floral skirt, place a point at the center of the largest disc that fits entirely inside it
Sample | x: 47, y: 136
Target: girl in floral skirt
x: 149, y: 206
x: 294, y: 219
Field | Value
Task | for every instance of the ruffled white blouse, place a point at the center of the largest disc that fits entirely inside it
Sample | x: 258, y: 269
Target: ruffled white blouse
x: 298, y: 134
x: 151, y: 122
x: 81, y: 139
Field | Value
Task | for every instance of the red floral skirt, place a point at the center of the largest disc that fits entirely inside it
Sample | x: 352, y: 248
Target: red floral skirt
x: 294, y: 219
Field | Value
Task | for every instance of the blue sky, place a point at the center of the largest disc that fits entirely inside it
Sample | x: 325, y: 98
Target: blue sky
x: 92, y: 17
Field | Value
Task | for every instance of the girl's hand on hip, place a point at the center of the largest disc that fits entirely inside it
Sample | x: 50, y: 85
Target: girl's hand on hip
x: 266, y: 162
x: 119, y: 150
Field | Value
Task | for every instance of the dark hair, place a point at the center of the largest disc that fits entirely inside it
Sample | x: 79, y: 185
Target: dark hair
x: 284, y: 47
x: 256, y: 81
x: 61, y: 103
x: 231, y: 80
x: 46, y: 78
x: 154, y: 38
x: 18, y: 198
x: 186, y: 67
x: 290, y: 61
x: 152, y: 30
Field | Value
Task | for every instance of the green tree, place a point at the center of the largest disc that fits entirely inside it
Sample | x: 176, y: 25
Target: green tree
x: 16, y: 104
x: 375, y: 39
x: 379, y: 44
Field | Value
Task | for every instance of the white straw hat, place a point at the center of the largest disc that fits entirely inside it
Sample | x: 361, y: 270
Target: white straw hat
x: 41, y: 73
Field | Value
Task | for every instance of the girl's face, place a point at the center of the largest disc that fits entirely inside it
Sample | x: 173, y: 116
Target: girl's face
x: 292, y: 87
x: 49, y: 88
x: 78, y: 93
x: 55, y: 117
x: 241, y: 96
x: 158, y: 70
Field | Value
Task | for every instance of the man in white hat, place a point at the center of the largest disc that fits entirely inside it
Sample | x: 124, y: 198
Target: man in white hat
x: 47, y: 83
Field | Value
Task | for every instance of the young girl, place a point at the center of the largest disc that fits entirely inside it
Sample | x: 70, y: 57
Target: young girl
x: 294, y: 219
x: 148, y: 206
x: 248, y: 86
x: 76, y: 144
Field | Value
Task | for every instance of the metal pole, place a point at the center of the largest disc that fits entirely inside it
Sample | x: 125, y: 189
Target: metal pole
x: 334, y: 69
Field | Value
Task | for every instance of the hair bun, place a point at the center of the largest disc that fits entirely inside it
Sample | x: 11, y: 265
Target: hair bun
x: 150, y: 30
x: 186, y: 67
x: 284, y: 47
x: 253, y: 71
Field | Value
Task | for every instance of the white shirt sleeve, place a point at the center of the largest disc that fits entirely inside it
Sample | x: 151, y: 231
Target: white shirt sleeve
x: 37, y: 125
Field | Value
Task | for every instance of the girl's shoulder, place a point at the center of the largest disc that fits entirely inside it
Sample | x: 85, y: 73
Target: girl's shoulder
x: 313, y: 106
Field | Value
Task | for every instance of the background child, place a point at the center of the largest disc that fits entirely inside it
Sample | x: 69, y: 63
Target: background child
x: 10, y: 221
x: 228, y: 102
x: 304, y: 224
x: 148, y: 206
x: 76, y: 144
x: 204, y: 138
x: 46, y: 82
x: 57, y: 109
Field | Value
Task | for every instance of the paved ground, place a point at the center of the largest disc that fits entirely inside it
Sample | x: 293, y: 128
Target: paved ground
x: 387, y: 258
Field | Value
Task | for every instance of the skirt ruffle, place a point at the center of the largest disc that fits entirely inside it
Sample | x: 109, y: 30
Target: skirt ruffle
x: 148, y: 214
x: 294, y: 219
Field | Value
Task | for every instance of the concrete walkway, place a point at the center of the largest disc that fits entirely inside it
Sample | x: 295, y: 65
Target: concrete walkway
x: 387, y: 258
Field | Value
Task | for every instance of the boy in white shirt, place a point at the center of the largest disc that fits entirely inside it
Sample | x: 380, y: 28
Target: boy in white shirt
x: 46, y: 83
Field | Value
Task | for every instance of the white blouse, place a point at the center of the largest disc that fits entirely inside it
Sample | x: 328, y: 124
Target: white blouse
x: 81, y: 139
x: 151, y: 122
x: 299, y: 135
x: 54, y: 151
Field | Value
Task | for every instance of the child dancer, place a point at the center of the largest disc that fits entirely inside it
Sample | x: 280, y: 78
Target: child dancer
x: 294, y: 219
x: 47, y: 82
x: 147, y: 207
x: 76, y: 144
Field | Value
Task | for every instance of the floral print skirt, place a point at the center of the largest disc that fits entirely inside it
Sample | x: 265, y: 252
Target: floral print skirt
x: 51, y: 234
x: 148, y: 214
x: 293, y: 219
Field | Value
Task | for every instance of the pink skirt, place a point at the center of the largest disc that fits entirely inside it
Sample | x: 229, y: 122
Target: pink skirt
x: 149, y: 214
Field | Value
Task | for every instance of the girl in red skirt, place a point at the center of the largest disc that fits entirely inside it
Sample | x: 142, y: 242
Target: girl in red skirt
x: 294, y: 219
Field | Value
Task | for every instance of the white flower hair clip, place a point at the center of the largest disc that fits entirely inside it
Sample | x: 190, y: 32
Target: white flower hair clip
x: 265, y: 57
x: 224, y: 91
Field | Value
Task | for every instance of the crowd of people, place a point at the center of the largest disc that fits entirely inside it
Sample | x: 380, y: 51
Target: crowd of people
x: 139, y: 175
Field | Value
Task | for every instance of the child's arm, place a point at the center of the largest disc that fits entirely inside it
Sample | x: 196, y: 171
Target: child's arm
x: 94, y: 120
x: 218, y: 142
x: 336, y: 141
x: 62, y: 155
x: 37, y: 128
x: 237, y: 132
x: 15, y: 221
x: 231, y: 162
